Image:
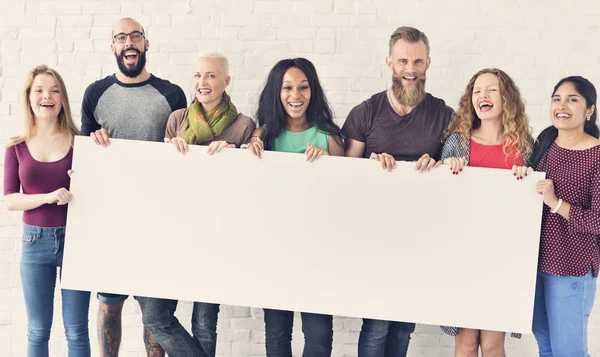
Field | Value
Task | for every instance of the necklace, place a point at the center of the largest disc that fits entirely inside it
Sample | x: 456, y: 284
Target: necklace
x: 390, y: 99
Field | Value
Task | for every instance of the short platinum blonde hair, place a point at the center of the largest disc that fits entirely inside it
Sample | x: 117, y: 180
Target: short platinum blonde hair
x: 219, y: 56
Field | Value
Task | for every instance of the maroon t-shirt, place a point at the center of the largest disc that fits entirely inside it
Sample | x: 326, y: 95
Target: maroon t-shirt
x: 35, y: 177
x: 375, y: 123
x: 572, y: 247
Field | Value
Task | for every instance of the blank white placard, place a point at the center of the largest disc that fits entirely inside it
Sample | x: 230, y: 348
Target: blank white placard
x: 339, y: 235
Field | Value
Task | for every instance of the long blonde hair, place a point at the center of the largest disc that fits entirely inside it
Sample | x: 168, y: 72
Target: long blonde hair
x: 515, y: 124
x: 65, y: 120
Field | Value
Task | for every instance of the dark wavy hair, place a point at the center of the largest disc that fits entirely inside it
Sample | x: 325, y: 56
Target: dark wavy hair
x: 272, y: 113
x: 587, y: 90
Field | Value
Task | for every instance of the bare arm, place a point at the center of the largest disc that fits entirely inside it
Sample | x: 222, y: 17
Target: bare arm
x: 255, y: 144
x: 24, y: 202
x: 335, y: 149
x: 355, y: 148
x: 256, y: 134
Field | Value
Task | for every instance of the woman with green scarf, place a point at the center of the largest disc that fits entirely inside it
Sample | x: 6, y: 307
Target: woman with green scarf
x: 211, y: 120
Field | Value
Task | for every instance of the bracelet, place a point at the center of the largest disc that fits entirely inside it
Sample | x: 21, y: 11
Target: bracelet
x: 560, y: 202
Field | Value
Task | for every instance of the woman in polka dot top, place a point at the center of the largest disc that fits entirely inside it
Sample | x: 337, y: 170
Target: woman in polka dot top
x: 569, y: 153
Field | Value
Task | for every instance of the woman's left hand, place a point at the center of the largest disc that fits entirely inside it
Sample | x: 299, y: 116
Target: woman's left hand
x: 313, y: 152
x: 217, y: 146
x: 546, y: 188
x: 521, y: 171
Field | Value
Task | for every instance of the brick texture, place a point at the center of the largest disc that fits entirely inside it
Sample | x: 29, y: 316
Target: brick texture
x: 536, y: 42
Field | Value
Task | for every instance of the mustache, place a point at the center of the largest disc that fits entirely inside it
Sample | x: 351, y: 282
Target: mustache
x: 409, y: 95
x: 417, y: 75
x: 122, y: 55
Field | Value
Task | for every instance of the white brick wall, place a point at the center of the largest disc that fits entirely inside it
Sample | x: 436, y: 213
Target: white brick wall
x: 536, y: 42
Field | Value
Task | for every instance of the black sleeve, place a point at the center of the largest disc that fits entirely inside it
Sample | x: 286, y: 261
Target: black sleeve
x: 88, y: 105
x: 180, y: 101
x: 91, y: 97
x: 172, y: 93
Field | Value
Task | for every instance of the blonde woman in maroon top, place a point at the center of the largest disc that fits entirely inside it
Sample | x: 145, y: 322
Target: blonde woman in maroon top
x: 569, y: 153
x: 36, y: 182
x: 489, y: 129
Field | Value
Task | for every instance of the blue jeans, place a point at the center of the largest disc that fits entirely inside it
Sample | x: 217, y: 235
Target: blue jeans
x: 379, y: 338
x: 561, y: 313
x: 317, y: 329
x: 159, y: 318
x: 42, y: 255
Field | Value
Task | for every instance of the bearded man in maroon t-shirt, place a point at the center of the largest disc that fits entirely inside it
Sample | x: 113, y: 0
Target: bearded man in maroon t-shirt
x: 401, y: 123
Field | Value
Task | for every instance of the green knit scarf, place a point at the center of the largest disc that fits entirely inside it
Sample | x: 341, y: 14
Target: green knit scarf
x: 204, y: 127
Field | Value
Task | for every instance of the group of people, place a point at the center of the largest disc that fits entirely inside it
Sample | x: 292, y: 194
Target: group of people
x: 403, y: 123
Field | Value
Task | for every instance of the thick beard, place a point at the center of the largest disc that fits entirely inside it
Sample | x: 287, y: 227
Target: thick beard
x: 135, y: 71
x: 409, y: 96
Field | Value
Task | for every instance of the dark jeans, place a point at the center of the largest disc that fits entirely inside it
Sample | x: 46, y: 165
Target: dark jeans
x: 380, y: 338
x: 317, y: 329
x: 159, y: 318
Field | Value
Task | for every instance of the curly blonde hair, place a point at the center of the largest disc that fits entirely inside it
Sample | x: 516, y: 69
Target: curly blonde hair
x: 515, y: 123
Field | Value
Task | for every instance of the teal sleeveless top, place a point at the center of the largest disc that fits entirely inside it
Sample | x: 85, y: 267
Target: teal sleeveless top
x: 289, y: 141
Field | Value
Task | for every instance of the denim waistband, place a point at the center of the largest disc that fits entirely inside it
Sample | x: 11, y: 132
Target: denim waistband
x: 41, y: 230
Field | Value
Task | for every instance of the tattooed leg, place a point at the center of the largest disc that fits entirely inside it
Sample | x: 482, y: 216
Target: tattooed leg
x: 109, y: 329
x: 153, y: 348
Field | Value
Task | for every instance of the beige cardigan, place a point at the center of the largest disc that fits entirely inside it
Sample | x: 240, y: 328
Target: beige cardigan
x: 237, y: 133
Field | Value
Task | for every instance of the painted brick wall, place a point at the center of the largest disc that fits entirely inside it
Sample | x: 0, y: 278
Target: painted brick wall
x: 536, y: 42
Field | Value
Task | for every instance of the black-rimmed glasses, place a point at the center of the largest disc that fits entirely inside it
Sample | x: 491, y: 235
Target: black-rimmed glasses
x: 135, y: 36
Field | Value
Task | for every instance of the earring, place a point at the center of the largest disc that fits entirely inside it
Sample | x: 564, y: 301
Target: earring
x: 589, y: 117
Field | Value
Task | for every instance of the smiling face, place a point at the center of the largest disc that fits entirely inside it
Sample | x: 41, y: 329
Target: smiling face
x: 210, y: 81
x: 45, y: 98
x: 409, y: 63
x: 130, y: 54
x: 568, y: 110
x: 295, y: 93
x: 486, y: 97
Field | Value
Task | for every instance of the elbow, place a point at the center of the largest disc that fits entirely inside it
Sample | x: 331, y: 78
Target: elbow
x: 10, y: 203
